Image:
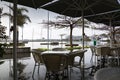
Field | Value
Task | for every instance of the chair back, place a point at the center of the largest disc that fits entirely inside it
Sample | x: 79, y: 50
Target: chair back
x: 116, y: 50
x: 74, y: 54
x: 37, y: 56
x: 54, y: 62
x: 92, y: 48
x: 104, y: 51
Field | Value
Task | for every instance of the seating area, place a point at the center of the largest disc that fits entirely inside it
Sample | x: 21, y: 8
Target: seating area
x: 71, y: 65
x: 107, y: 62
x: 59, y: 63
x: 69, y: 54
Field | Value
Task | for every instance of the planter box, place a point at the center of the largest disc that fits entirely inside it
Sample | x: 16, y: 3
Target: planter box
x: 22, y: 52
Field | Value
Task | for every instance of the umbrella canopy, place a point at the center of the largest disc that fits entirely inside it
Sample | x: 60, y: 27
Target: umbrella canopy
x: 110, y: 19
x: 74, y: 8
x: 31, y: 3
x: 78, y: 8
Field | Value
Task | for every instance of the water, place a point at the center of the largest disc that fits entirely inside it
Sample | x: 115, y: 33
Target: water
x: 6, y: 67
x: 35, y: 45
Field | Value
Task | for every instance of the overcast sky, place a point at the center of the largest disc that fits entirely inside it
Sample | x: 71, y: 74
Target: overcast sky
x: 35, y: 30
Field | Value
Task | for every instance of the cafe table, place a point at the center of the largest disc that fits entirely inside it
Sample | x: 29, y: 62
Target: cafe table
x: 66, y: 52
x: 56, y: 52
x: 62, y: 52
x: 110, y: 73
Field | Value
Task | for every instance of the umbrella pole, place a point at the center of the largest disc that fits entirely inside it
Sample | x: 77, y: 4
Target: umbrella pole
x: 83, y: 43
x: 110, y: 24
x: 15, y: 76
x: 48, y: 37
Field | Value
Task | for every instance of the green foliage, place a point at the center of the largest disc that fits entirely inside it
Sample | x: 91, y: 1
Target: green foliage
x: 22, y: 18
x: 19, y: 44
x: 75, y: 47
x: 87, y: 47
x: 42, y: 49
x: 2, y: 49
x: 1, y: 62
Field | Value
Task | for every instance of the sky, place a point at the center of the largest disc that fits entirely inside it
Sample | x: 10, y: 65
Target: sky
x: 36, y: 30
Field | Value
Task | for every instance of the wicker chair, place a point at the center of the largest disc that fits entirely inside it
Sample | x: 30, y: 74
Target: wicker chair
x: 71, y: 60
x: 94, y: 56
x: 94, y: 60
x: 116, y: 53
x: 105, y: 53
x: 37, y: 58
x: 55, y: 65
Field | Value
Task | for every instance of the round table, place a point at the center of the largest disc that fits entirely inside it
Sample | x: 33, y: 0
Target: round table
x: 112, y: 73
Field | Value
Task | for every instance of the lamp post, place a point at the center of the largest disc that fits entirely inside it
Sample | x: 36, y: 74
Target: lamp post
x: 48, y: 32
x: 0, y: 22
x: 1, y: 9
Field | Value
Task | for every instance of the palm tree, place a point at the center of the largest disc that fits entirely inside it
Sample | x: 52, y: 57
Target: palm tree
x: 2, y: 36
x: 21, y: 17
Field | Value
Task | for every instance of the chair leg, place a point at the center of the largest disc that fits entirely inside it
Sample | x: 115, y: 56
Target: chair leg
x: 91, y: 60
x: 64, y: 74
x: 34, y: 70
x: 38, y: 68
x: 70, y: 69
x: 81, y: 72
x: 46, y: 76
x: 118, y: 60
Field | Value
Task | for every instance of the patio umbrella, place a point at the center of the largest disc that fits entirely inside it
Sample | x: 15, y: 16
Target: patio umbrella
x: 111, y: 19
x: 74, y: 8
x: 106, y: 18
x: 31, y: 3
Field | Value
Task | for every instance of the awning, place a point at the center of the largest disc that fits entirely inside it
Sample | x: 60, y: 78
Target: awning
x: 74, y: 8
x: 31, y: 3
x: 110, y: 19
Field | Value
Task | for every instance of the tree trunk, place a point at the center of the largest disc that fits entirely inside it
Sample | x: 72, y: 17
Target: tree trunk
x: 113, y: 36
x: 71, y: 30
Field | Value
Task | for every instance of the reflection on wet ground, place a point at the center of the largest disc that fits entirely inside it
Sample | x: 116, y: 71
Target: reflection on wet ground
x: 28, y: 63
